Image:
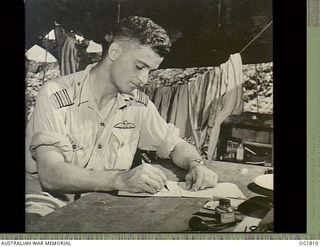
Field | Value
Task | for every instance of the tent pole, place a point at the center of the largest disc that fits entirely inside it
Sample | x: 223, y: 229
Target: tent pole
x: 45, y: 63
x: 219, y: 13
x: 119, y: 9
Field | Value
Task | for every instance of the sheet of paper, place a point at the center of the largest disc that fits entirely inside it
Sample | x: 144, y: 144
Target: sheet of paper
x: 178, y: 189
x: 173, y: 191
x: 221, y: 190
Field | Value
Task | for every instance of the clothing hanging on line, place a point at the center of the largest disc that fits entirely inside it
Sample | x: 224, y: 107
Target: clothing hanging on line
x: 214, y: 96
x: 68, y: 51
x: 202, y: 92
x: 179, y: 110
x: 150, y: 91
x: 171, y: 102
x: 229, y: 103
x: 202, y: 103
x: 60, y: 37
x: 68, y: 57
x: 162, y: 99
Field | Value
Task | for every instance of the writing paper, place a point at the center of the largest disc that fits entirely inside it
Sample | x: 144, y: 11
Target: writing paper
x: 178, y: 189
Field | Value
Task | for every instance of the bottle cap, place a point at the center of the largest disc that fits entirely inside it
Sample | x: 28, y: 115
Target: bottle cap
x: 224, y: 202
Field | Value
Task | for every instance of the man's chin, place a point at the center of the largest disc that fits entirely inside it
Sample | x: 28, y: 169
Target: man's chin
x: 130, y: 91
x: 133, y: 85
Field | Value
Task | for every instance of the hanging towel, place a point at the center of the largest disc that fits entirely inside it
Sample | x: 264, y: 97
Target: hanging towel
x: 230, y: 100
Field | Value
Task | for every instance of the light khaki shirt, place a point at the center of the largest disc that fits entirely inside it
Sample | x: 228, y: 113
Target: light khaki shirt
x: 66, y: 117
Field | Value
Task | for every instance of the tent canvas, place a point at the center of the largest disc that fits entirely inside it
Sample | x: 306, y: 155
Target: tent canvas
x: 39, y: 54
x: 50, y: 35
x: 79, y: 38
x: 93, y: 47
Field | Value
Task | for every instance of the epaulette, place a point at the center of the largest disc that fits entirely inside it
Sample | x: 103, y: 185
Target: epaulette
x: 61, y: 99
x: 142, y: 98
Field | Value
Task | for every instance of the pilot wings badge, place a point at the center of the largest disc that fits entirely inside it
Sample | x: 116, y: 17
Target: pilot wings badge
x: 125, y: 125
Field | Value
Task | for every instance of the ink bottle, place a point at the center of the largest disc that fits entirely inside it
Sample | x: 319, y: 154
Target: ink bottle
x: 225, y: 213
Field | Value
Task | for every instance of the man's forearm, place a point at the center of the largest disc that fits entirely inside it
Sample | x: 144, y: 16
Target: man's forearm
x: 66, y: 178
x: 57, y: 175
x: 184, y: 153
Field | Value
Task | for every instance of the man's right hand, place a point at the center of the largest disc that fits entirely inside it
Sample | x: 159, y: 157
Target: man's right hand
x: 144, y: 178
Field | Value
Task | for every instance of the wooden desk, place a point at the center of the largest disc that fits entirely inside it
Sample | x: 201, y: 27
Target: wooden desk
x: 107, y: 212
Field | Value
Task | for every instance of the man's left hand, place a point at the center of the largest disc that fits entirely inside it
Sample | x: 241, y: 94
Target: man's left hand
x: 200, y: 177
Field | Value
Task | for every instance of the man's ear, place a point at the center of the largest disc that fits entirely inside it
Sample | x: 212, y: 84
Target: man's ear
x: 114, y: 51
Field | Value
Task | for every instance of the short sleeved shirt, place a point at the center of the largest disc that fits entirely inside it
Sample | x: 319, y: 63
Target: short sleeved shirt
x: 66, y: 117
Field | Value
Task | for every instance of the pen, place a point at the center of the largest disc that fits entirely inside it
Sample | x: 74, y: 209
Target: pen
x: 147, y: 160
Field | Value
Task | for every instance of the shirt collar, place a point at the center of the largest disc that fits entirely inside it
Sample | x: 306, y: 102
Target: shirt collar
x: 83, y: 86
x: 85, y: 94
x: 123, y: 99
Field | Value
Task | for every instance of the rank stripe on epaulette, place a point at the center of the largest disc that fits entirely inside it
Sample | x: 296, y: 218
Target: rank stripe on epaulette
x: 67, y: 96
x: 62, y: 98
x: 142, y: 98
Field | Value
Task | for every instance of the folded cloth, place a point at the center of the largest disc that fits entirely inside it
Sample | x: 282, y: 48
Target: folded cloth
x: 42, y: 204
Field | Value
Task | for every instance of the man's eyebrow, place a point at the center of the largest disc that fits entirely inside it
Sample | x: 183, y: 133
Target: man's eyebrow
x: 151, y: 69
x: 143, y: 63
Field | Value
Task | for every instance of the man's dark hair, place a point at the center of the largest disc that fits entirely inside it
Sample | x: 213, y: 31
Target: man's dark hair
x: 145, y: 32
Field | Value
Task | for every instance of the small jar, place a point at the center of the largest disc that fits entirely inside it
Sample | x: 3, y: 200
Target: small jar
x: 240, y: 152
x: 224, y: 212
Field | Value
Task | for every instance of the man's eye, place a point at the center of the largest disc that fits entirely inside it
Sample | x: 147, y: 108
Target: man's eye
x: 139, y: 67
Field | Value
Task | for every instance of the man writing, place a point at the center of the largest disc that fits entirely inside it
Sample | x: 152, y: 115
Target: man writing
x: 87, y: 126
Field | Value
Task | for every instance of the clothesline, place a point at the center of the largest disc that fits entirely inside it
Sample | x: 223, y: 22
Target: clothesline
x: 246, y: 46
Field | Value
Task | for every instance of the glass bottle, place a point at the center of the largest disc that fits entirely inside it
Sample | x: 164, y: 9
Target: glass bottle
x: 224, y: 212
x: 240, y: 152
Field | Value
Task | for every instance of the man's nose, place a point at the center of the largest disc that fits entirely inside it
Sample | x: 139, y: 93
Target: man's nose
x: 143, y: 76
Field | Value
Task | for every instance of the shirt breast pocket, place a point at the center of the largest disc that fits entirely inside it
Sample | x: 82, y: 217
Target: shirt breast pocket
x: 82, y: 145
x: 121, y: 148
